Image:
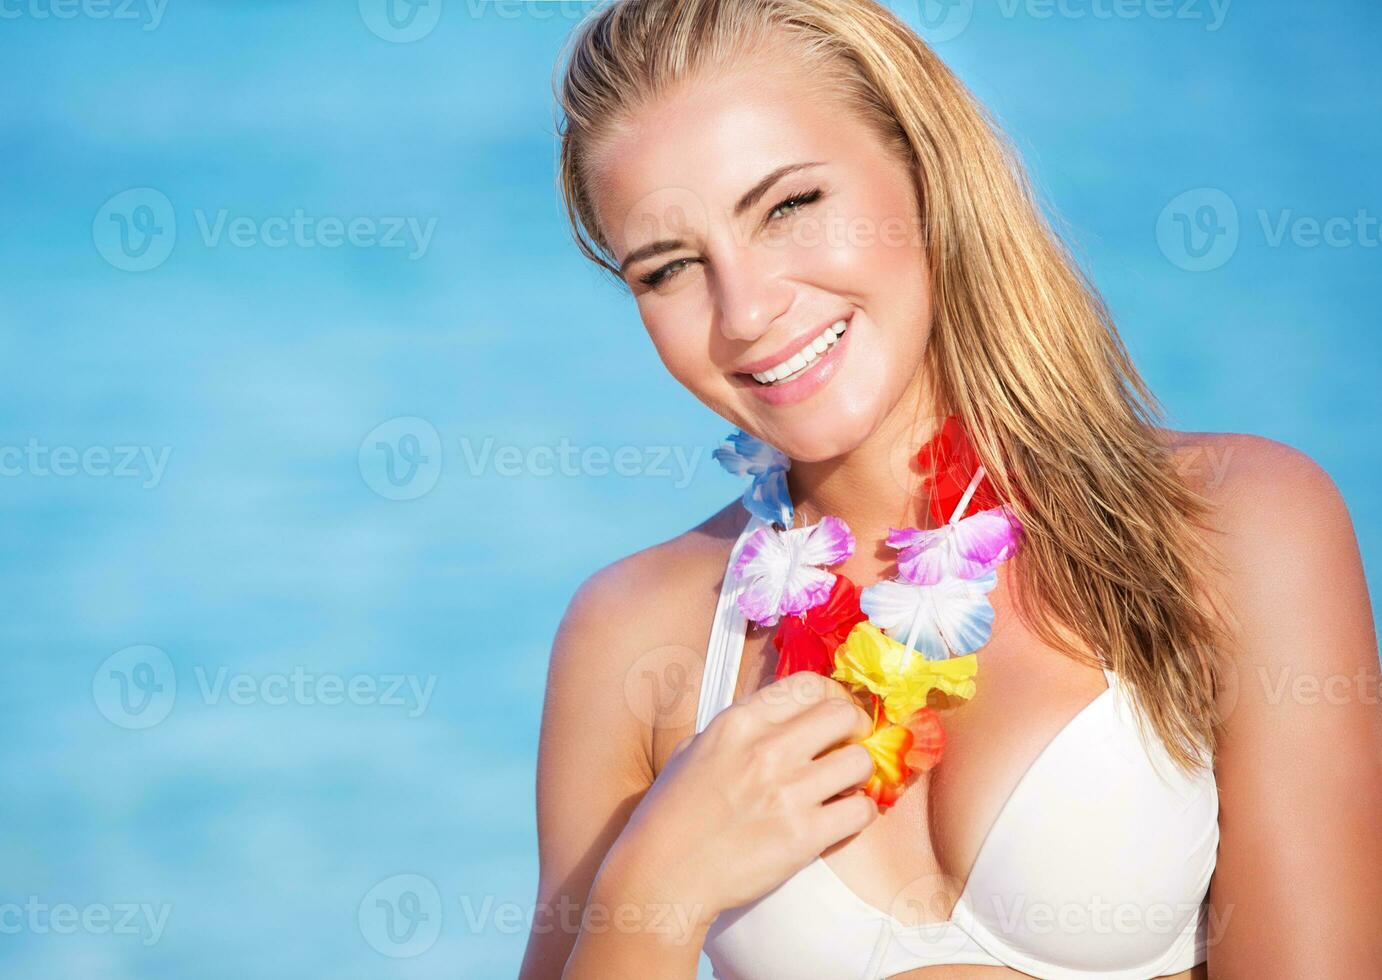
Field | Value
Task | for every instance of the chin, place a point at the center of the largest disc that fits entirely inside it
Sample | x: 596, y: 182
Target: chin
x: 824, y: 436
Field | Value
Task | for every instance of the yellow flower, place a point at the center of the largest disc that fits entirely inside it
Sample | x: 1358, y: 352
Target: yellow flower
x: 888, y: 746
x: 871, y: 659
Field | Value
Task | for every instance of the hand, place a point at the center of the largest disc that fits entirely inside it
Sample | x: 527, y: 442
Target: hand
x: 749, y: 801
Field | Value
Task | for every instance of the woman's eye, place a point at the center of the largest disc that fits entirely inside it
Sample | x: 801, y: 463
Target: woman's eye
x: 664, y: 273
x: 794, y: 202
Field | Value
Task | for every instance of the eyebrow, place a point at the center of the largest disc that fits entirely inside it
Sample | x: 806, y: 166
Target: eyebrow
x: 751, y: 197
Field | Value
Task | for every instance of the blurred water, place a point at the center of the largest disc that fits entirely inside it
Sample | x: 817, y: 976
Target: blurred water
x: 341, y: 220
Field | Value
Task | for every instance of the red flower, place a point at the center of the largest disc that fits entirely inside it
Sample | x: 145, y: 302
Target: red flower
x: 948, y: 463
x: 928, y: 740
x: 808, y: 641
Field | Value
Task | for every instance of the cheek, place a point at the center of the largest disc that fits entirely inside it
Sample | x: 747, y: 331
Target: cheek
x: 682, y: 345
x: 869, y: 245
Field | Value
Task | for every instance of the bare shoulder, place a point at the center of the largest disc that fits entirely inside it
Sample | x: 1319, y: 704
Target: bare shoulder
x: 650, y: 593
x: 1268, y: 497
x: 1291, y: 581
x: 632, y: 640
x: 1298, y: 764
x: 663, y: 574
x: 1233, y: 469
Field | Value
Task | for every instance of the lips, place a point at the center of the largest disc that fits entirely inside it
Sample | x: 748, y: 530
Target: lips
x: 797, y: 355
x: 802, y: 384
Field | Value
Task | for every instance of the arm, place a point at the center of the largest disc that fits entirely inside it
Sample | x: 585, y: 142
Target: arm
x: 592, y: 771
x: 768, y: 785
x: 1298, y: 885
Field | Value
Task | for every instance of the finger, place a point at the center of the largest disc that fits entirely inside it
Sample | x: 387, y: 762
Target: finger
x: 824, y: 726
x: 839, y: 770
x: 792, y: 695
x: 843, y: 818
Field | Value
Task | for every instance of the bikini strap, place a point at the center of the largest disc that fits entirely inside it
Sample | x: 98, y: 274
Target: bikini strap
x: 726, y: 646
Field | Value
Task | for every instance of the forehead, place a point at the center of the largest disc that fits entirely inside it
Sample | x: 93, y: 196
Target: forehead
x: 700, y: 147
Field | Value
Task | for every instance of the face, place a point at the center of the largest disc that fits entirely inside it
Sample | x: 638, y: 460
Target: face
x: 771, y: 242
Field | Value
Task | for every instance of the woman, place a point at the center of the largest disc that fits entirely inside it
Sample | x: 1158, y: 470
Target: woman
x: 831, y: 248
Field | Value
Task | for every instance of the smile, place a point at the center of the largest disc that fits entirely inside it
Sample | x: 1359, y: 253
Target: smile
x: 789, y: 369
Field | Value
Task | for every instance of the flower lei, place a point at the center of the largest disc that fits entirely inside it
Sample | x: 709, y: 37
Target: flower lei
x: 869, y: 639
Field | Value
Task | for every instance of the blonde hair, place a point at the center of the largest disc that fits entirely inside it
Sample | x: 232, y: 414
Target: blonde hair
x: 1022, y: 348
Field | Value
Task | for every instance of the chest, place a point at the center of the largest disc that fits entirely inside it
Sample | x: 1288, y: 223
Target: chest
x: 925, y: 845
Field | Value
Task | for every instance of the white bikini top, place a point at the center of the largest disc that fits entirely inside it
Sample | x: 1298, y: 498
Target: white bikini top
x: 1097, y: 865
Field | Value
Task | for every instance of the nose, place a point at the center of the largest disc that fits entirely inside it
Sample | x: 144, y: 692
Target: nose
x: 751, y: 292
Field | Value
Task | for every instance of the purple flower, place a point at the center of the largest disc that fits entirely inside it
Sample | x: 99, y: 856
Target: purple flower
x: 962, y: 549
x: 777, y: 571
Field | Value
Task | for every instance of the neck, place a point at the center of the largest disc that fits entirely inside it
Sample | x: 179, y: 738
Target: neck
x: 875, y: 486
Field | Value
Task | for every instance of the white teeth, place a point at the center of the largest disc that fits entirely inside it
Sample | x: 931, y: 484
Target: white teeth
x: 804, y: 357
